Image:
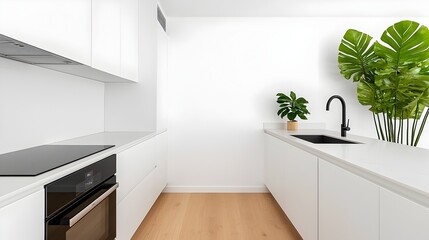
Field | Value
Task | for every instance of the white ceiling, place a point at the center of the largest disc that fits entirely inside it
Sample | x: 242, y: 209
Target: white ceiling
x: 295, y: 8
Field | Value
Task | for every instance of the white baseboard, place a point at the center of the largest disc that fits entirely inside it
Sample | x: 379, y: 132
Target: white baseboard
x: 216, y: 189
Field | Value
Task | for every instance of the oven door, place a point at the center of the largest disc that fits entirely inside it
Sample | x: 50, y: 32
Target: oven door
x: 92, y: 218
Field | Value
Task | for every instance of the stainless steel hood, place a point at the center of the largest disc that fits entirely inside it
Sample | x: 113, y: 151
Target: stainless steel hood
x: 19, y: 51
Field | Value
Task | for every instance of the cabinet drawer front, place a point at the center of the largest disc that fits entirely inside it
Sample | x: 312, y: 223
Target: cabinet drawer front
x: 134, y: 207
x: 134, y: 164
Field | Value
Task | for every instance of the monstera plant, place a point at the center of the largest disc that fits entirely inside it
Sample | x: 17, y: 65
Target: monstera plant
x: 392, y: 77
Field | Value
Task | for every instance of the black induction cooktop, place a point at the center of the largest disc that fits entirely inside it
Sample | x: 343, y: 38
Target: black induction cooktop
x: 38, y: 160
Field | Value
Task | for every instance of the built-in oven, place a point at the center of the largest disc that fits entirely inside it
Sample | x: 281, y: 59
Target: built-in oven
x: 82, y: 205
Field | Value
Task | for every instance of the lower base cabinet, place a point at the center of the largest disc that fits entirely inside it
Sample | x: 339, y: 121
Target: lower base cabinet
x: 291, y: 176
x: 134, y: 206
x: 401, y: 218
x: 348, y: 205
x: 24, y: 219
x: 317, y: 194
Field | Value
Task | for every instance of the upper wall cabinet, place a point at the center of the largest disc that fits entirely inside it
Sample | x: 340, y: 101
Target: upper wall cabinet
x: 59, y: 26
x: 106, y: 35
x: 94, y: 39
x: 129, y: 39
x: 115, y: 37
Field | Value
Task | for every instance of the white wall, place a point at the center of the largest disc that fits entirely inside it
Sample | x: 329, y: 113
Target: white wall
x: 162, y: 80
x: 224, y: 74
x: 39, y: 106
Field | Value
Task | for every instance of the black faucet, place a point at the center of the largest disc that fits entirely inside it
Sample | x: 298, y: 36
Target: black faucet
x: 344, y: 127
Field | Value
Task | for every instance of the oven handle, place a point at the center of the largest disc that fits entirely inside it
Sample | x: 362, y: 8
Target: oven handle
x: 91, y: 206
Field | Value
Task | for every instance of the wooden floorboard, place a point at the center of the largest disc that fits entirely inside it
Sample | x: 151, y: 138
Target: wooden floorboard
x: 212, y: 216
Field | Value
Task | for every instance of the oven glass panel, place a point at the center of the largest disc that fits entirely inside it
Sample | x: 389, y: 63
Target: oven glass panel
x: 63, y: 192
x: 94, y: 226
x: 97, y: 224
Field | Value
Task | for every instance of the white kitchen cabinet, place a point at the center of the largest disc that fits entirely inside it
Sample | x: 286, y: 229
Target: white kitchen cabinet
x: 291, y: 176
x: 274, y: 168
x: 401, y: 218
x: 129, y: 39
x: 24, y: 219
x: 115, y: 37
x: 348, y: 205
x: 59, y: 26
x: 106, y: 36
x: 134, y: 207
x: 134, y: 164
x: 140, y: 194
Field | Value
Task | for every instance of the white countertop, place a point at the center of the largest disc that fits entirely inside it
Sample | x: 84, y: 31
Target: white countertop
x: 400, y: 168
x: 14, y: 188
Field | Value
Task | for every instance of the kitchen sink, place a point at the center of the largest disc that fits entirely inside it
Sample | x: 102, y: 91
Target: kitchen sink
x: 323, y: 139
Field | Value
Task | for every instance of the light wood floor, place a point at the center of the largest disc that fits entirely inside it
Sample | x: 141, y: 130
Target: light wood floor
x: 201, y: 216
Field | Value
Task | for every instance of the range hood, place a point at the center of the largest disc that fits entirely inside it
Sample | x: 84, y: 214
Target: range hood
x: 16, y: 50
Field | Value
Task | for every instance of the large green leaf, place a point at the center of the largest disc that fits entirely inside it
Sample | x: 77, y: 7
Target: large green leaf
x: 405, y: 75
x: 293, y: 95
x: 292, y: 115
x: 405, y: 43
x: 356, y: 56
x: 366, y: 94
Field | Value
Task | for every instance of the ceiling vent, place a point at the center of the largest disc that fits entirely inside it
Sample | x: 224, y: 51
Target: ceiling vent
x: 161, y: 19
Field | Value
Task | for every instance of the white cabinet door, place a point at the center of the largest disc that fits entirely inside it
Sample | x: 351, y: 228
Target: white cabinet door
x: 348, y: 205
x: 106, y: 36
x: 291, y: 176
x: 24, y: 219
x: 59, y: 26
x: 134, y: 164
x: 129, y: 39
x: 275, y: 165
x: 133, y: 207
x: 401, y: 218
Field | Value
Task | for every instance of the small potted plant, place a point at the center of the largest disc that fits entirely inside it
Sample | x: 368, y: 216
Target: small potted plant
x: 292, y: 107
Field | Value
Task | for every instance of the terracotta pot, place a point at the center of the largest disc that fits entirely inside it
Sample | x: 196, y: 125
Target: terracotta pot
x: 292, y: 125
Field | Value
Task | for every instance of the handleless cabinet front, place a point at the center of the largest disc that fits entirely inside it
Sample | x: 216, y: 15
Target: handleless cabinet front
x: 59, y: 26
x: 106, y: 36
x: 348, y: 205
x: 130, y: 39
x: 24, y: 219
x: 134, y: 164
x: 401, y: 218
x: 142, y: 175
x: 291, y: 176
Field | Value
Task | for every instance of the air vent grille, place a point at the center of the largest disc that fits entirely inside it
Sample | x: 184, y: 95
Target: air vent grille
x: 161, y: 19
